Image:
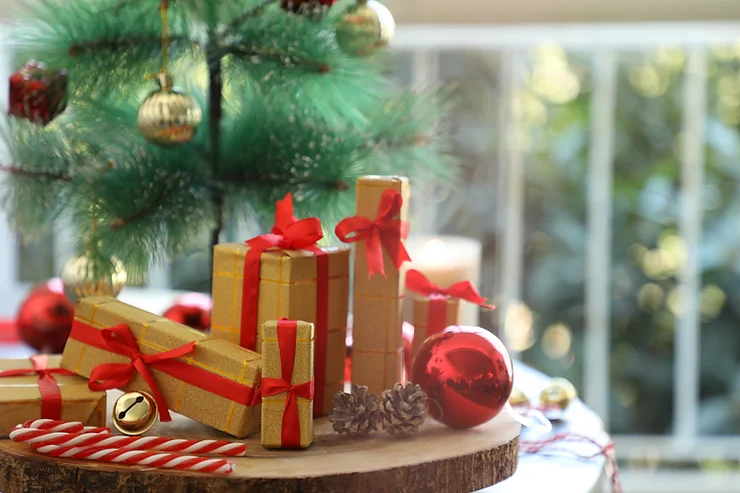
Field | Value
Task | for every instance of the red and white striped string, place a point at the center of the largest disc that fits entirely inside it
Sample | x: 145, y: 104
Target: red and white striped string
x: 549, y: 447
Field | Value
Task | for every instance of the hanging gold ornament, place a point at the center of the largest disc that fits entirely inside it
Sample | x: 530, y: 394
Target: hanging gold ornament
x: 518, y: 399
x: 168, y: 117
x: 134, y: 413
x: 365, y: 28
x: 559, y: 394
x: 86, y: 275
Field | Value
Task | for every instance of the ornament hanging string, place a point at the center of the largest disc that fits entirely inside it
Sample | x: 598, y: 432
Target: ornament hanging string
x: 548, y: 447
x: 165, y: 34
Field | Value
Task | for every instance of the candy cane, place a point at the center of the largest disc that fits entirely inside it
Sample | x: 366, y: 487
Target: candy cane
x: 41, y: 438
x: 143, y: 458
x: 62, y: 426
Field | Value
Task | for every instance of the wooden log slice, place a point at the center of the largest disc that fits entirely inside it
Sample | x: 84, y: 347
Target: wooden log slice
x: 437, y: 459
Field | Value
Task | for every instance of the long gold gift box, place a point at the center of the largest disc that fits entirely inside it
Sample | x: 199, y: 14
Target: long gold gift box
x: 287, y: 289
x: 20, y: 397
x: 155, y: 335
x: 377, y: 341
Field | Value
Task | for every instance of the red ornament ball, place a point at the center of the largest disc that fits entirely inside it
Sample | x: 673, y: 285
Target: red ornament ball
x: 407, y: 331
x: 45, y: 320
x: 467, y: 375
x: 193, y: 310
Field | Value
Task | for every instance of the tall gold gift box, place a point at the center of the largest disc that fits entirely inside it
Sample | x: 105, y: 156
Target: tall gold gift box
x: 377, y: 341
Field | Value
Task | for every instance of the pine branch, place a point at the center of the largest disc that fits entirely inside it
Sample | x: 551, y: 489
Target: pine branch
x: 252, y: 178
x: 278, y: 56
x: 248, y: 14
x: 122, y: 43
x: 44, y: 175
x: 412, y: 141
x: 156, y: 202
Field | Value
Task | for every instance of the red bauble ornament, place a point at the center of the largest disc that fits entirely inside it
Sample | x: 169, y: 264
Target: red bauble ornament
x: 37, y: 93
x: 45, y: 320
x: 193, y: 310
x: 467, y: 375
x: 407, y: 331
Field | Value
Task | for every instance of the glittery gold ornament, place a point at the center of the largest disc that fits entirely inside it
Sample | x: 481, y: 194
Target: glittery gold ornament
x: 365, y: 28
x: 87, y: 275
x: 134, y: 413
x: 168, y: 117
x: 519, y: 399
x: 559, y: 394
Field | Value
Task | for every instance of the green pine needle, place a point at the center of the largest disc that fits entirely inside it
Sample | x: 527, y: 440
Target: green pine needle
x: 298, y: 115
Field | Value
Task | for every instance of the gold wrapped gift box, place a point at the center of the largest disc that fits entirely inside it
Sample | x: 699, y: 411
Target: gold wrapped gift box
x: 273, y: 407
x: 377, y: 340
x: 20, y: 397
x: 155, y: 335
x: 287, y: 289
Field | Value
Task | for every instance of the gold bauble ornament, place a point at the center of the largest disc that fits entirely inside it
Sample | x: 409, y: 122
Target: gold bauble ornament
x: 134, y: 413
x: 86, y: 275
x: 559, y: 394
x: 168, y: 117
x: 365, y: 28
x: 519, y: 399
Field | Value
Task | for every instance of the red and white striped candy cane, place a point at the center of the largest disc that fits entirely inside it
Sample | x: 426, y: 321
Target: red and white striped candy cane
x: 62, y: 426
x: 143, y: 458
x: 40, y: 439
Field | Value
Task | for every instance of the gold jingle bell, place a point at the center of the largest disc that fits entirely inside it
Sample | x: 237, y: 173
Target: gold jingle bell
x: 168, y: 117
x: 86, y: 275
x: 519, y: 399
x: 365, y: 28
x: 134, y: 413
x: 559, y: 394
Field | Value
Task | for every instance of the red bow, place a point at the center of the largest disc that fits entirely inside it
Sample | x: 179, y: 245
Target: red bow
x: 288, y: 233
x: 464, y: 290
x: 291, y: 432
x: 51, y: 395
x: 120, y: 340
x: 384, y: 232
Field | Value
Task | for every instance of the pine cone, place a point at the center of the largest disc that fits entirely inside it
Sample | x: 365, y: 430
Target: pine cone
x: 404, y: 408
x: 355, y: 413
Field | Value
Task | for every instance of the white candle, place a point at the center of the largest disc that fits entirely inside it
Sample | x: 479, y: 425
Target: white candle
x: 446, y: 260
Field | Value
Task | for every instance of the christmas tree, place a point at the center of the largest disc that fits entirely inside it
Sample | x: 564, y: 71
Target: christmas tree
x: 294, y: 98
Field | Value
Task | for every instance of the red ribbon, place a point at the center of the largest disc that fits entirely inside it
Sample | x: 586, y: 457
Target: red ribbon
x: 384, y: 232
x: 437, y: 310
x: 120, y: 340
x: 51, y: 395
x: 288, y: 233
x: 290, y: 437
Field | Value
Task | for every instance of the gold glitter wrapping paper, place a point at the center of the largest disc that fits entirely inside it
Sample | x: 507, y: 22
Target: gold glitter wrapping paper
x: 421, y: 323
x: 20, y: 398
x: 154, y: 335
x: 287, y: 290
x: 273, y: 407
x: 377, y: 347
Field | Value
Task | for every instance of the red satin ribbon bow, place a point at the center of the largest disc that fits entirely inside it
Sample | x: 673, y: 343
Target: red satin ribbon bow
x: 384, y: 232
x: 120, y: 340
x: 291, y: 432
x: 51, y: 395
x: 464, y: 290
x: 288, y: 233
